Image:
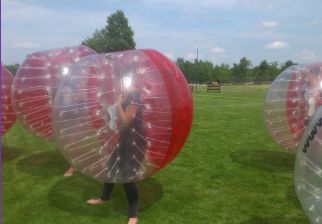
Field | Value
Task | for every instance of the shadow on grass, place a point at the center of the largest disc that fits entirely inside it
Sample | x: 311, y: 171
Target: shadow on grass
x: 9, y: 153
x: 265, y: 160
x: 43, y: 164
x: 277, y: 220
x: 70, y: 195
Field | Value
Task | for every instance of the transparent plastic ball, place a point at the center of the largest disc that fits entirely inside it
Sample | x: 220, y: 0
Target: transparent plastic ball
x: 308, y: 169
x: 8, y: 116
x: 35, y: 86
x: 88, y: 121
x: 291, y: 101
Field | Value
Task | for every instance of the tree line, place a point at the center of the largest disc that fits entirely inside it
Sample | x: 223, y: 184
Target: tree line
x: 117, y: 35
x: 199, y: 72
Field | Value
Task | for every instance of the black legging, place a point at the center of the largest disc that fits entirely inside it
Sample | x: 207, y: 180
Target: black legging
x: 131, y: 195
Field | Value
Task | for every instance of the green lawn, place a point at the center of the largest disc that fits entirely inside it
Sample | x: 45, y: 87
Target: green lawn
x: 230, y: 171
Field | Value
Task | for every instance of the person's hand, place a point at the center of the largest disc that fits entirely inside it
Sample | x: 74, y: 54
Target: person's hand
x: 119, y: 100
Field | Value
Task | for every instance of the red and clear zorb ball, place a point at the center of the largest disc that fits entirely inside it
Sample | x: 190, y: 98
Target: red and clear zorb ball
x: 291, y: 102
x: 8, y: 116
x: 308, y: 169
x: 87, y: 119
x: 36, y: 83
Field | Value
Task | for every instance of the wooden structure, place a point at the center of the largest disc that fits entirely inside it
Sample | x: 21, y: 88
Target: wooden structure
x: 213, y: 86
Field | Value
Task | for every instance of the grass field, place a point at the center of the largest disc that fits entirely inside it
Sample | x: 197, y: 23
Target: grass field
x: 230, y: 171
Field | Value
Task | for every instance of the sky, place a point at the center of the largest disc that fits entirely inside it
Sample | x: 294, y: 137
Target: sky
x: 223, y: 31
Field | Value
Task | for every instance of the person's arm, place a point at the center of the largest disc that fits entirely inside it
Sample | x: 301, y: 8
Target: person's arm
x: 127, y: 115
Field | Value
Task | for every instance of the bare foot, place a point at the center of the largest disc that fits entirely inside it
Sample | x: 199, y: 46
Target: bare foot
x: 133, y: 221
x: 95, y: 201
x: 69, y: 172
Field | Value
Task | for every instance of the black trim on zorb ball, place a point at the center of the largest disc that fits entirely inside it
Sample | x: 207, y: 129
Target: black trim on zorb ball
x: 312, y: 135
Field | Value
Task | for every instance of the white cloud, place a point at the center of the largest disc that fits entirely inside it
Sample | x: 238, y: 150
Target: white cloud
x: 248, y: 28
x: 218, y: 50
x: 170, y: 55
x: 192, y: 56
x: 26, y: 26
x: 191, y: 4
x: 306, y: 55
x: 269, y: 24
x: 315, y: 23
x: 31, y: 14
x: 277, y: 45
x: 264, y: 4
x: 206, y: 45
x: 26, y: 45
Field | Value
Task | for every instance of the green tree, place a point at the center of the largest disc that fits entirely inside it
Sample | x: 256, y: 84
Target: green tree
x: 96, y: 42
x: 187, y: 69
x: 261, y: 71
x: 245, y: 68
x: 287, y: 64
x: 182, y: 65
x: 117, y: 35
x: 222, y: 73
x: 273, y: 71
x: 205, y: 71
x: 241, y: 71
x: 12, y: 68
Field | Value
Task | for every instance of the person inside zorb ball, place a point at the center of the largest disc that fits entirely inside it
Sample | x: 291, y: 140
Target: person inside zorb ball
x: 291, y: 102
x: 121, y: 117
x: 35, y: 86
x: 308, y: 169
x: 312, y: 92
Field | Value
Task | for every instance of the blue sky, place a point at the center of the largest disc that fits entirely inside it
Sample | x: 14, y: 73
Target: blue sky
x: 223, y: 30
